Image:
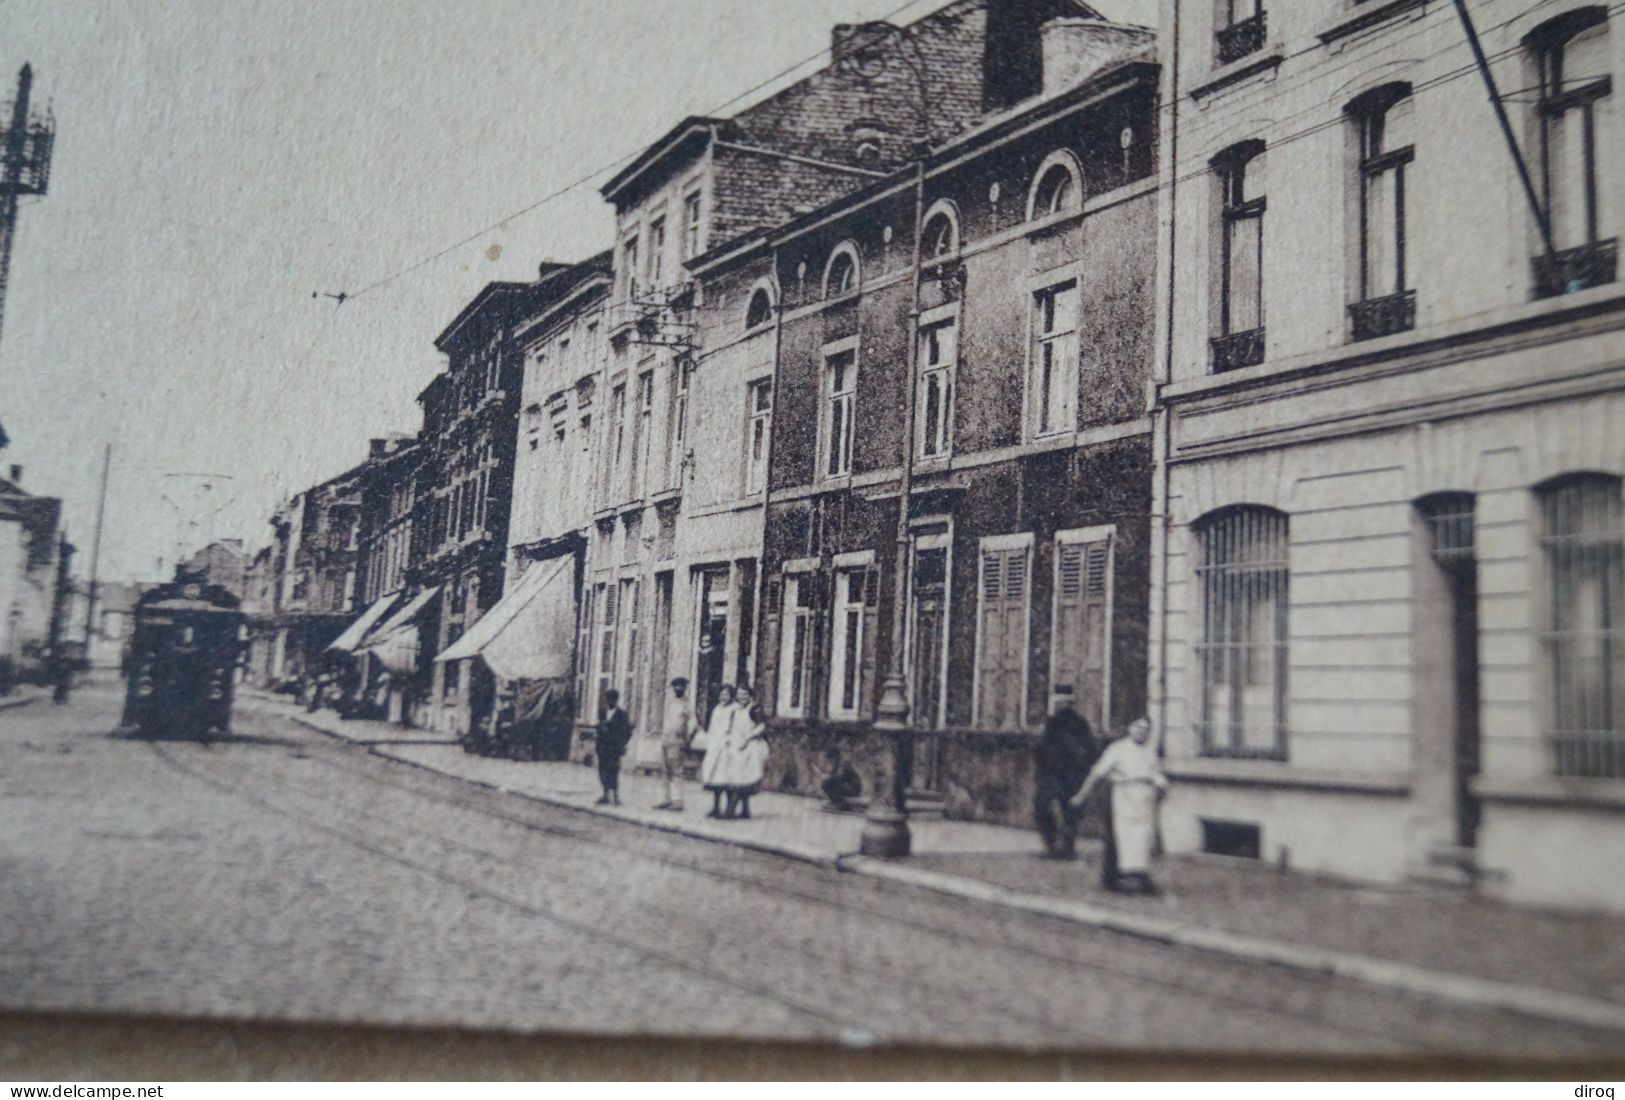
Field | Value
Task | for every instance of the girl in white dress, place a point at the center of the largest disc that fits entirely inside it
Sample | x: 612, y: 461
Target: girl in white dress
x: 747, y: 760
x: 718, y: 734
x: 1129, y: 765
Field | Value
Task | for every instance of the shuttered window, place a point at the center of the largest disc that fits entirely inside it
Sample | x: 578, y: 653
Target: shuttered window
x: 1583, y: 542
x: 631, y: 684
x: 1081, y: 640
x: 850, y: 647
x: 583, y: 657
x: 606, y: 644
x: 1242, y: 654
x: 799, y: 628
x: 1005, y: 586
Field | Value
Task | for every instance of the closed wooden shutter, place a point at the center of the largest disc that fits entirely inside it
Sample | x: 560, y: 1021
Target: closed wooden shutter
x: 1081, y: 615
x: 1003, y: 649
x: 772, y: 609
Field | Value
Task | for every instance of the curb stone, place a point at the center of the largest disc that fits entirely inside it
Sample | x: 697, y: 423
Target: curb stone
x: 1401, y: 977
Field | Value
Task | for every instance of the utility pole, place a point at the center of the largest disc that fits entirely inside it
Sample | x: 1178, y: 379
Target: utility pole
x: 25, y: 168
x: 96, y: 550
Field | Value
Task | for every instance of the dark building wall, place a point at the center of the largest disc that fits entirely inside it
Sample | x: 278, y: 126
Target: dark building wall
x: 1044, y: 489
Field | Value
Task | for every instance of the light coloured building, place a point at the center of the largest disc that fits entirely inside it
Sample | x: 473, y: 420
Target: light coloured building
x: 1387, y: 633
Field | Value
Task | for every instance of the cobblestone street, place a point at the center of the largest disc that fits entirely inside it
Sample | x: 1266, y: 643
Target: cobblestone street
x: 289, y: 876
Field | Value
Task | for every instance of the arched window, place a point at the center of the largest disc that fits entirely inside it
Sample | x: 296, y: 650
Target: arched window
x: 1583, y: 543
x: 760, y: 310
x: 841, y: 276
x: 1572, y: 55
x: 941, y: 235
x: 1057, y: 186
x: 1382, y: 121
x: 1241, y: 656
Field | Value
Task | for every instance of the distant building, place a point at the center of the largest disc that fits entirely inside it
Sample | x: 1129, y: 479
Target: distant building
x: 33, y: 590
x: 221, y: 563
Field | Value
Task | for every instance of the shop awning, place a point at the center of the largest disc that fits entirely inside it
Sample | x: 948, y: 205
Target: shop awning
x: 529, y: 634
x: 356, y: 631
x: 395, y: 644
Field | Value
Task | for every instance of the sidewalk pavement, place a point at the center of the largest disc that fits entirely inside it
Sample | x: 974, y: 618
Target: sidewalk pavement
x: 22, y: 695
x: 1430, y: 941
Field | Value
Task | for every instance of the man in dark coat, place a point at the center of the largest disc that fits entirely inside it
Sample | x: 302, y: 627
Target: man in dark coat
x: 614, y: 734
x: 1066, y: 751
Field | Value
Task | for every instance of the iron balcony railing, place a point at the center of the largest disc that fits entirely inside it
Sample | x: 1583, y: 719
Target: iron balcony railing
x: 1383, y: 316
x: 1240, y: 39
x: 1578, y: 268
x: 1237, y: 350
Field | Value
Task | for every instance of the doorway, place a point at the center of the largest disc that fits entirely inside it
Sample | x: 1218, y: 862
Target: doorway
x: 927, y: 648
x: 1447, y: 665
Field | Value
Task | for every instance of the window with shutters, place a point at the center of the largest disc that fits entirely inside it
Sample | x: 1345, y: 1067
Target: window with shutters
x: 606, y: 644
x: 795, y: 661
x: 1080, y: 640
x: 1583, y: 543
x: 631, y: 684
x: 1001, y: 637
x: 585, y: 704
x: 1242, y: 651
x: 848, y: 626
x: 1053, y: 385
x: 938, y: 343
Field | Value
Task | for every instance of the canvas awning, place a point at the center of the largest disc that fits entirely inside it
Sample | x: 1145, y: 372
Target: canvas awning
x: 530, y: 632
x: 356, y: 632
x: 395, y: 644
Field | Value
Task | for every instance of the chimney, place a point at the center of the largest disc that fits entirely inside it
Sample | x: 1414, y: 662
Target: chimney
x: 16, y: 474
x: 1076, y: 49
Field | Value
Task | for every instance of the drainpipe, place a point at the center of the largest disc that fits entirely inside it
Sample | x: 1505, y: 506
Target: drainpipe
x: 1163, y: 419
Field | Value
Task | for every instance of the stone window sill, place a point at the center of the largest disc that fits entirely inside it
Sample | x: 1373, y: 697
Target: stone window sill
x: 1600, y: 794
x: 1366, y: 16
x: 1275, y: 773
x: 1265, y: 61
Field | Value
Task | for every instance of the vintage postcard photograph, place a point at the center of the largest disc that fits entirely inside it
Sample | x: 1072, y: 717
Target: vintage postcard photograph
x: 1017, y: 525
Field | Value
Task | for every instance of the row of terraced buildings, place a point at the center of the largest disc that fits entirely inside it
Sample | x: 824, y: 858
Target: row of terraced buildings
x: 1225, y: 372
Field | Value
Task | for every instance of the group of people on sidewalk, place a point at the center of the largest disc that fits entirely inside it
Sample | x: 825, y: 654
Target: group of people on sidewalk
x: 1070, y: 764
x: 733, y: 740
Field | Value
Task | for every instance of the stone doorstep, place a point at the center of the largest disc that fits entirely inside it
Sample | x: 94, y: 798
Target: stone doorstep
x: 1384, y: 973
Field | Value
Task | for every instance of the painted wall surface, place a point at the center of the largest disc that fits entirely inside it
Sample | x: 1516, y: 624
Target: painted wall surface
x: 1494, y: 392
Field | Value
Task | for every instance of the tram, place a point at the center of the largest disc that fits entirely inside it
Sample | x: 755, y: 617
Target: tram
x: 182, y: 661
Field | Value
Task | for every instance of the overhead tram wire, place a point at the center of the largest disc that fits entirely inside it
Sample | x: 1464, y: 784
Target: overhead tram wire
x: 592, y: 175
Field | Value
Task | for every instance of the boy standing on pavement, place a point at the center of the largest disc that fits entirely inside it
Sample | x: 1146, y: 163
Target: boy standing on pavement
x: 676, y: 726
x: 614, y: 734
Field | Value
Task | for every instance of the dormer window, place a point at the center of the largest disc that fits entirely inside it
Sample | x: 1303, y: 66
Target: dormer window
x: 1057, y: 187
x: 941, y: 236
x: 760, y: 310
x: 841, y: 277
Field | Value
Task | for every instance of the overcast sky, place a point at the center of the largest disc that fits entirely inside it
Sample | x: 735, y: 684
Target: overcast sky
x: 217, y: 163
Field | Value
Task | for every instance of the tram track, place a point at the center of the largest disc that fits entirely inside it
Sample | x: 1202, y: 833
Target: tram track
x: 1227, y: 987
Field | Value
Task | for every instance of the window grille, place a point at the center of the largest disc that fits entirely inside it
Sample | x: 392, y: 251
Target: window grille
x: 1583, y: 542
x: 1242, y: 654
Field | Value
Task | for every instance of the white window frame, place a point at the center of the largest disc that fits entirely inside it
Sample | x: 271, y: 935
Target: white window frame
x: 1038, y: 339
x: 848, y: 249
x: 693, y: 219
x: 942, y: 208
x: 944, y: 541
x: 943, y: 317
x: 845, y: 566
x: 1060, y: 158
x: 795, y: 574
x: 655, y: 262
x: 1020, y: 541
x: 758, y: 418
x: 827, y: 396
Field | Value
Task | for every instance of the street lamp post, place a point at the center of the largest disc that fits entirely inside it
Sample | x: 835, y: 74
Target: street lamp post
x: 886, y: 829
